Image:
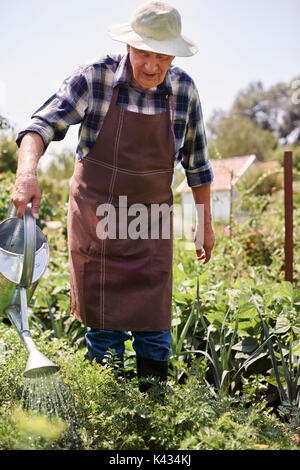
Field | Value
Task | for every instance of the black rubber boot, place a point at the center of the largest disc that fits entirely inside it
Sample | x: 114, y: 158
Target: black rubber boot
x: 150, y: 372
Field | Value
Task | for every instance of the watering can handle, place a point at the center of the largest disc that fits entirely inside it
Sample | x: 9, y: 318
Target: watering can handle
x: 29, y: 248
x: 29, y: 243
x: 12, y: 211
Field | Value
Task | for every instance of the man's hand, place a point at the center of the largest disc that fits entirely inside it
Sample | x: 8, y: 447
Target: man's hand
x: 204, y: 234
x: 26, y: 190
x: 207, y: 234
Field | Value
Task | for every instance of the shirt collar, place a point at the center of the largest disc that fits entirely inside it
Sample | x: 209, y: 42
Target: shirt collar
x: 123, y: 76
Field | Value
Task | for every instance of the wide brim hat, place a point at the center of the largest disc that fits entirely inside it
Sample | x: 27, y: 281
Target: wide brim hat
x: 156, y: 27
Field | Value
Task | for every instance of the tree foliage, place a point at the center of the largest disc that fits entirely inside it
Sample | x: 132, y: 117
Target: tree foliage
x: 259, y: 121
x: 62, y: 166
x: 4, y: 124
x: 8, y: 147
x: 276, y: 109
x: 240, y: 136
x: 8, y: 153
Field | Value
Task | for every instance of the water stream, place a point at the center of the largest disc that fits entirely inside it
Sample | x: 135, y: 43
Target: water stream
x: 49, y: 396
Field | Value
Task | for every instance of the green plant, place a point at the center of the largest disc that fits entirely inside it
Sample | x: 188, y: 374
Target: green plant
x: 220, y: 358
x: 184, y: 325
x: 289, y: 395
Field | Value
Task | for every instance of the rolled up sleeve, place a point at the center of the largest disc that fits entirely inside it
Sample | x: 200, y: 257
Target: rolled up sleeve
x: 63, y: 109
x: 194, y: 153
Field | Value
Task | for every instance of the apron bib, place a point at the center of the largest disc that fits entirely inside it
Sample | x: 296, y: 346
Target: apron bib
x: 120, y: 283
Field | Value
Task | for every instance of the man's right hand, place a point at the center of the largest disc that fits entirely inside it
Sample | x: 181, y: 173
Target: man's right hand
x: 26, y: 190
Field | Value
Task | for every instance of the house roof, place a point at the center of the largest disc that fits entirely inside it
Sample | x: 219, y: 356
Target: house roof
x: 227, y: 171
x: 268, y: 166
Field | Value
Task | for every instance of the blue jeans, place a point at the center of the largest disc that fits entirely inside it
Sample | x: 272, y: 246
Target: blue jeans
x: 149, y: 344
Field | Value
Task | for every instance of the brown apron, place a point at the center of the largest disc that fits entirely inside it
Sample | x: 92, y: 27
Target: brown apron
x: 120, y: 283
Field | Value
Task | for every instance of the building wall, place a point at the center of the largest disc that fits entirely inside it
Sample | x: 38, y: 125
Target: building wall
x: 221, y: 206
x: 186, y: 214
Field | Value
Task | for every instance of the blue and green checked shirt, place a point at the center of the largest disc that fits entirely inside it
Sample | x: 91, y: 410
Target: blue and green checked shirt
x: 85, y: 96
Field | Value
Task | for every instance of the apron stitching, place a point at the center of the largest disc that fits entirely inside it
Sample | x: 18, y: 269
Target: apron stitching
x: 124, y: 170
x: 110, y: 198
x: 172, y: 112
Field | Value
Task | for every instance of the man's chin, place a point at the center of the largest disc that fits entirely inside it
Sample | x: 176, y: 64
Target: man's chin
x: 148, y: 82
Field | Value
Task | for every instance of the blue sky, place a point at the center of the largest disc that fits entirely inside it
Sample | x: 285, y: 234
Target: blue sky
x: 239, y: 41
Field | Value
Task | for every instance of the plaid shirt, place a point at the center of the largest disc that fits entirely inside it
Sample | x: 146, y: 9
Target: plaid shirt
x: 85, y: 96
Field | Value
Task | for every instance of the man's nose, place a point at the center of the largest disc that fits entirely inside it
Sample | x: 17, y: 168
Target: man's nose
x: 151, y: 65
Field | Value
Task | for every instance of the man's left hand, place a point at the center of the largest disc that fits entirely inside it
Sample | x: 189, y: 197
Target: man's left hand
x: 204, y: 252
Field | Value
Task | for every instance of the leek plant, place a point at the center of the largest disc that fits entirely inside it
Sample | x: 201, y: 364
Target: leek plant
x: 179, y: 338
x: 219, y: 356
x: 290, y: 374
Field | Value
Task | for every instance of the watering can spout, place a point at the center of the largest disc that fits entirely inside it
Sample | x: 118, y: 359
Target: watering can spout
x: 23, y: 259
x: 37, y: 363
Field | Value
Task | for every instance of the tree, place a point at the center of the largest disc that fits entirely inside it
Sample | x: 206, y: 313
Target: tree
x: 4, y: 124
x: 62, y: 166
x: 276, y: 109
x: 8, y: 147
x: 258, y: 122
x: 238, y: 136
x: 8, y: 153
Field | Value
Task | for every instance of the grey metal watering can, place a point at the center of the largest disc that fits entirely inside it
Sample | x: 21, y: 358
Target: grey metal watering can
x: 24, y: 257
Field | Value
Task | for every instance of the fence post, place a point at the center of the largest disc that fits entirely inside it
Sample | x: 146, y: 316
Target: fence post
x: 288, y: 211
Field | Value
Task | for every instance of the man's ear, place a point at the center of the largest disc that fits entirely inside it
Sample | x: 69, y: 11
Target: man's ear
x: 128, y: 47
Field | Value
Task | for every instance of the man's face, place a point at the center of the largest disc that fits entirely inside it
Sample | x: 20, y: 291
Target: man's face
x: 148, y: 68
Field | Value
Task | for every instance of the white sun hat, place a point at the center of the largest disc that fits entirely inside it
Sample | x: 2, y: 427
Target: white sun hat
x: 155, y: 26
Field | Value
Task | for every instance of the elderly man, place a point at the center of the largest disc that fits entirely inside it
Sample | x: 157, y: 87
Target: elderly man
x: 139, y: 115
